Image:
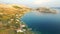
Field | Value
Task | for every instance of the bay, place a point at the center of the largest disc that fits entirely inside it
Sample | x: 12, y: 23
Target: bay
x: 43, y: 23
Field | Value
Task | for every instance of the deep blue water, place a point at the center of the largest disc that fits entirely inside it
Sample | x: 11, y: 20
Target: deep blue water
x: 43, y: 23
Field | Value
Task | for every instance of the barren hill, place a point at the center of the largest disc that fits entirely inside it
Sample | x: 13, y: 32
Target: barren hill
x: 13, y: 9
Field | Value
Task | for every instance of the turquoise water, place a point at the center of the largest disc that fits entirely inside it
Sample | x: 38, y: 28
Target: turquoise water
x: 43, y: 23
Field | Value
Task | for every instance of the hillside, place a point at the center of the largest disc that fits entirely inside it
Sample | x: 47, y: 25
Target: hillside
x: 10, y: 18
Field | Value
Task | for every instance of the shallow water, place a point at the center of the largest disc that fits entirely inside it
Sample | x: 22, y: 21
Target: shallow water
x: 43, y: 23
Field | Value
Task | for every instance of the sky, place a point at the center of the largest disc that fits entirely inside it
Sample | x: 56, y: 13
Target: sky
x: 34, y: 3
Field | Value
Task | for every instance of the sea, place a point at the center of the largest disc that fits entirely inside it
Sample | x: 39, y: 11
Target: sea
x: 43, y: 23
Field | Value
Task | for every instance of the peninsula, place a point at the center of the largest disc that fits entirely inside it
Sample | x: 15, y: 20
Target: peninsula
x: 10, y: 19
x: 46, y: 10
